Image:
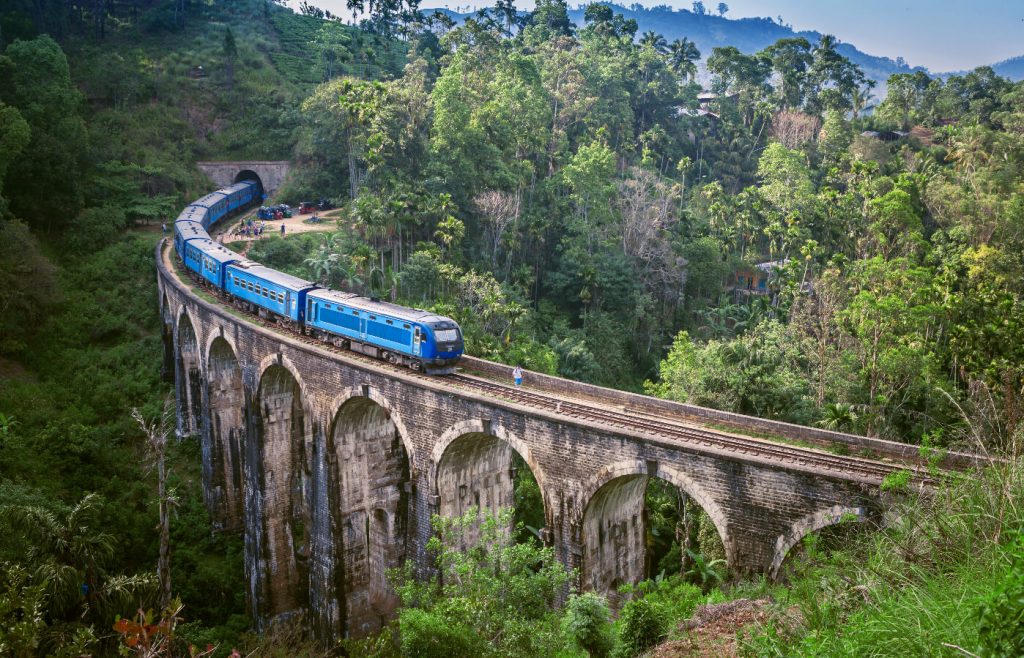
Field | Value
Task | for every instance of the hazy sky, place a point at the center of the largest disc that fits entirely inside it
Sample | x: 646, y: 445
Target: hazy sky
x: 939, y: 34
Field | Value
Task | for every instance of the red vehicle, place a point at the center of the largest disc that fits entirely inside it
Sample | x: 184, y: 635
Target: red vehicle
x: 307, y: 207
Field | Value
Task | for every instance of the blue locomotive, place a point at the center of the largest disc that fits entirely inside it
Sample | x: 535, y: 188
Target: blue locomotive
x: 382, y: 330
x: 406, y: 336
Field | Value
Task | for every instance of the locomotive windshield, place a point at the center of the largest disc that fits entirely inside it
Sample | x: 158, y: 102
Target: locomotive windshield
x: 446, y: 335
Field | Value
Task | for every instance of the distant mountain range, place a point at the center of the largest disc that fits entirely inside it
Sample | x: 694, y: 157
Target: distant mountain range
x: 753, y: 34
x: 1012, y: 68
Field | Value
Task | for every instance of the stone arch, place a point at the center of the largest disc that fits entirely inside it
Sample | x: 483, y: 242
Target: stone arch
x: 224, y: 445
x: 612, y: 526
x: 462, y: 428
x: 188, y: 370
x: 249, y: 174
x: 277, y: 481
x: 279, y: 359
x: 811, y: 523
x: 473, y: 467
x: 381, y: 400
x: 369, y: 498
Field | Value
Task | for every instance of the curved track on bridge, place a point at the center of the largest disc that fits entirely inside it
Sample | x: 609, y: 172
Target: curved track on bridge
x: 573, y: 410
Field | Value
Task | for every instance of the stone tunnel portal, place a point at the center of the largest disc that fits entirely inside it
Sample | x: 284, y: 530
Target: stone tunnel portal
x: 249, y: 174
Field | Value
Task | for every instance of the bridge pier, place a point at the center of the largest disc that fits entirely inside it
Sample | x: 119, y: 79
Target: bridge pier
x: 224, y: 435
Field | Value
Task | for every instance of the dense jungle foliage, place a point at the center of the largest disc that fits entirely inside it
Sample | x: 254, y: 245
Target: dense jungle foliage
x: 575, y: 199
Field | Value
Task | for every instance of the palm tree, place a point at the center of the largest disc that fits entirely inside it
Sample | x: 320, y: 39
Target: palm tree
x: 683, y: 57
x: 70, y: 553
x: 323, y: 262
x: 655, y: 41
x: 506, y: 9
x: 862, y: 98
x: 839, y: 417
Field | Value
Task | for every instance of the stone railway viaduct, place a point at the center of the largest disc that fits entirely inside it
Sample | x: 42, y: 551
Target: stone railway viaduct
x: 331, y: 466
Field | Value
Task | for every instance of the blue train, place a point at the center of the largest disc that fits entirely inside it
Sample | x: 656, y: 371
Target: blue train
x: 418, y: 339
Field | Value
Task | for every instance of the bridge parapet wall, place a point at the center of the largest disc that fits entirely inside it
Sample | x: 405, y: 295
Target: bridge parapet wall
x: 646, y: 404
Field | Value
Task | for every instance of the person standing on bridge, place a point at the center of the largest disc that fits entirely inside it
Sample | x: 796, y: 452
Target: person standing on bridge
x: 517, y: 375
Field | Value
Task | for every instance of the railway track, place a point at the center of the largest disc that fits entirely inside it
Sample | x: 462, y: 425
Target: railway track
x: 741, y: 446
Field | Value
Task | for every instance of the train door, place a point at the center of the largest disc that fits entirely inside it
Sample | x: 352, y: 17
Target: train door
x: 362, y: 328
x: 417, y: 338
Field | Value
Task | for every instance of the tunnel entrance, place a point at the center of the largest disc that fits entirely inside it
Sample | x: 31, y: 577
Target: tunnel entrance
x: 640, y: 526
x: 248, y: 174
x: 369, y: 506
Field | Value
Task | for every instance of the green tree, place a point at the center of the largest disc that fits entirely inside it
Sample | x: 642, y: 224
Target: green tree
x: 45, y: 189
x: 493, y: 595
x: 14, y: 137
x: 791, y: 59
x: 230, y: 57
x: 683, y: 58
x: 587, y: 622
x: 332, y: 44
x: 833, y: 79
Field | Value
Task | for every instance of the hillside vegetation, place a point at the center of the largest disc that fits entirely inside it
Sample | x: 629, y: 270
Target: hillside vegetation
x: 560, y: 191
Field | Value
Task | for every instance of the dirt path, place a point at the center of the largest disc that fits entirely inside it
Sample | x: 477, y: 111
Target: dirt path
x: 295, y: 224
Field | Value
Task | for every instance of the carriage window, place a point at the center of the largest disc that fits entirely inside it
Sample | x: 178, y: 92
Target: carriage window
x: 405, y: 326
x: 355, y: 312
x: 280, y: 297
x: 373, y: 317
x: 389, y: 321
x: 250, y: 286
x: 264, y: 291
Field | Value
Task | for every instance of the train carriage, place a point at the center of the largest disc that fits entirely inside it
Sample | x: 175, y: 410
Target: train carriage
x: 217, y: 205
x: 271, y: 291
x: 194, y: 213
x: 209, y: 260
x: 241, y: 194
x: 185, y: 231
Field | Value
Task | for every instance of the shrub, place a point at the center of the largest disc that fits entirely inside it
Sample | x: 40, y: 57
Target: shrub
x: 587, y: 622
x: 427, y: 635
x: 1001, y: 631
x: 642, y: 624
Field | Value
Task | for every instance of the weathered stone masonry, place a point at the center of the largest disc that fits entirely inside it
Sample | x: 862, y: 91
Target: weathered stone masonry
x: 332, y: 468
